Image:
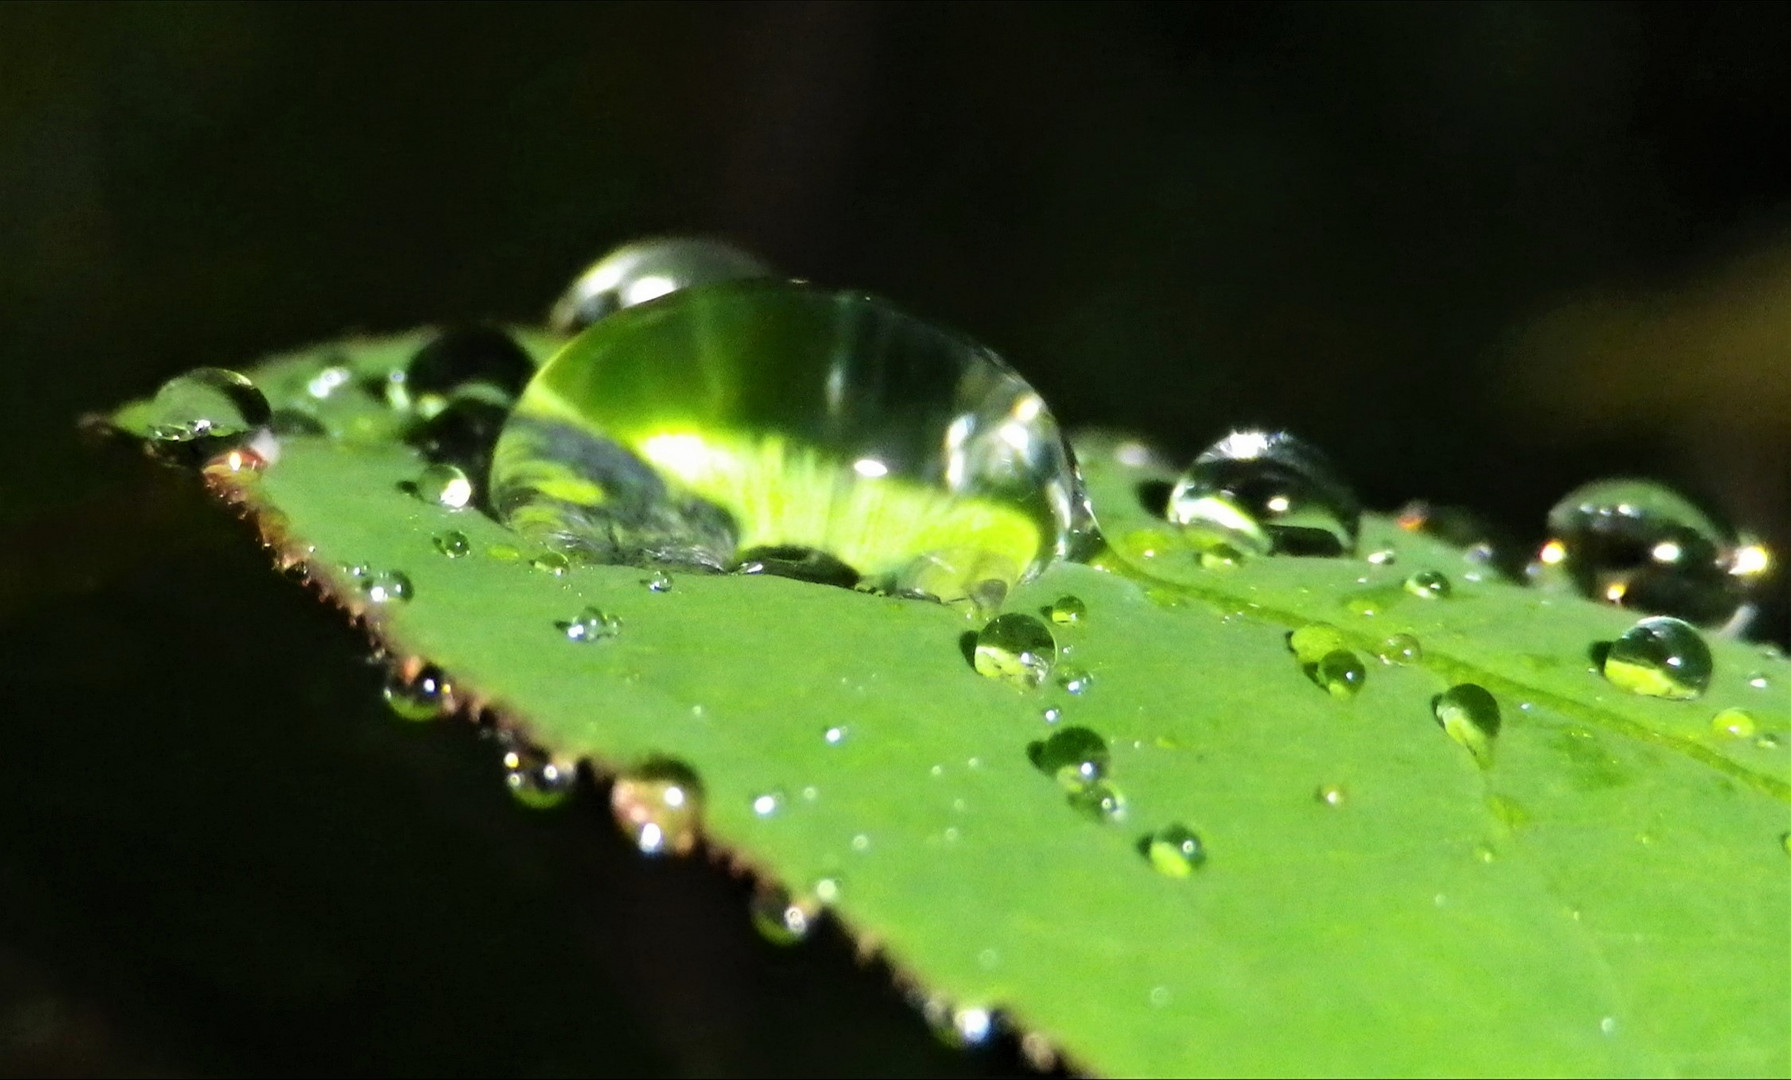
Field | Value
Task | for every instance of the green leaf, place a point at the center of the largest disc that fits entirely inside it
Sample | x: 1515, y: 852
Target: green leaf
x: 1607, y: 890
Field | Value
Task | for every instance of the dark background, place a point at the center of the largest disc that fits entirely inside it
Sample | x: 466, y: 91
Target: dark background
x: 1478, y: 252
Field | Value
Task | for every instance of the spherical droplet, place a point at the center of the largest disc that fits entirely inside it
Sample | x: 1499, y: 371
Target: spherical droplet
x: 1332, y: 795
x: 1429, y: 585
x: 453, y: 543
x: 835, y: 735
x: 1400, y: 649
x: 659, y: 807
x: 1068, y: 610
x: 1735, y: 723
x: 1383, y: 557
x: 1100, y: 801
x: 445, y: 485
x: 593, y: 624
x: 1175, y: 851
x: 551, y: 562
x: 1267, y: 492
x: 207, y: 404
x: 1051, y: 714
x: 1310, y: 643
x: 1075, y: 680
x: 1074, y: 756
x: 780, y: 918
x: 1016, y: 649
x: 1660, y: 657
x: 460, y: 356
x: 767, y: 804
x: 1469, y: 714
x: 1759, y: 680
x: 760, y: 415
x: 386, y: 587
x: 1641, y: 545
x: 659, y: 581
x: 1341, y: 673
x: 647, y: 270
x: 535, y: 778
x: 429, y: 696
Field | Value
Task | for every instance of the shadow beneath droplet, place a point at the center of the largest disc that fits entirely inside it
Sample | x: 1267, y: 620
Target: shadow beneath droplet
x: 1142, y: 847
x: 967, y: 646
x: 1035, y: 753
x: 1434, y: 715
x: 1153, y: 497
x: 407, y: 487
x: 1596, y: 652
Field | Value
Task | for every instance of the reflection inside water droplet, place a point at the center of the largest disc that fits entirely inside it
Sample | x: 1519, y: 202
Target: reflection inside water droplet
x: 452, y: 543
x: 659, y: 806
x: 1429, y: 585
x: 208, y: 404
x: 780, y: 918
x: 1016, y: 649
x: 1660, y: 657
x: 1266, y: 492
x: 386, y: 587
x: 446, y: 486
x: 429, y: 696
x: 648, y: 270
x: 1175, y: 851
x: 1470, y: 716
x: 593, y: 624
x: 1400, y: 649
x: 535, y: 778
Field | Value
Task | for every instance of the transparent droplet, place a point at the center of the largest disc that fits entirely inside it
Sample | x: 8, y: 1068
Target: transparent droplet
x: 326, y: 382
x: 962, y: 1028
x: 1429, y: 585
x: 1074, y: 756
x: 386, y: 587
x: 1734, y: 723
x: 1341, y: 673
x: 835, y: 735
x: 1469, y: 714
x: 460, y: 357
x: 659, y: 807
x: 647, y: 270
x: 1332, y: 795
x: 207, y: 404
x: 429, y: 696
x: 1767, y: 741
x: 1310, y: 643
x: 593, y: 624
x: 1075, y: 680
x: 452, y: 543
x: 535, y: 778
x: 1400, y: 649
x: 1639, y: 544
x: 658, y: 581
x: 767, y: 804
x: 551, y: 562
x: 1383, y: 557
x: 1051, y: 714
x: 1660, y: 657
x: 1068, y: 610
x: 1016, y: 649
x: 1100, y: 801
x: 1759, y: 680
x: 1267, y: 492
x: 1175, y: 851
x: 758, y: 415
x: 780, y: 918
x: 445, y: 485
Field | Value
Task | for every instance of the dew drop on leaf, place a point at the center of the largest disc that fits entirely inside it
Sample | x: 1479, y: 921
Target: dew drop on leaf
x: 1400, y: 649
x: 1175, y: 851
x: 1051, y: 714
x: 1660, y: 657
x: 386, y: 587
x: 534, y: 778
x: 1016, y: 649
x: 1429, y: 585
x: 767, y: 804
x: 1265, y: 492
x: 551, y: 562
x: 1759, y: 680
x: 659, y: 581
x: 835, y: 735
x: 1340, y: 672
x: 1075, y: 680
x: 1074, y: 756
x: 1332, y: 795
x: 1734, y: 723
x: 1100, y: 800
x: 1479, y: 543
x: 647, y: 270
x: 1068, y: 610
x: 452, y: 543
x: 961, y: 1028
x: 593, y: 624
x: 1469, y: 714
x: 208, y: 403
x: 1383, y: 557
x: 659, y: 807
x: 446, y: 486
x: 459, y: 359
x: 428, y: 696
x: 780, y: 918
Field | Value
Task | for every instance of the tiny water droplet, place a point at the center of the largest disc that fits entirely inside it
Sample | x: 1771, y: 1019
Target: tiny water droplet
x: 1332, y: 795
x: 1265, y: 492
x: 1429, y: 585
x: 1100, y: 801
x: 535, y: 778
x: 1068, y: 610
x: 387, y: 587
x: 1175, y: 851
x: 1469, y: 714
x: 1074, y: 756
x: 1759, y: 680
x: 659, y: 581
x: 1484, y: 853
x: 1400, y: 649
x: 1735, y: 723
x: 1311, y: 643
x: 1075, y: 680
x: 551, y: 562
x: 1341, y: 673
x: 659, y: 807
x: 1608, y: 1025
x: 861, y: 842
x: 1767, y: 741
x: 445, y: 485
x: 1660, y: 657
x: 962, y: 1028
x: 328, y: 381
x: 429, y: 696
x: 1051, y: 714
x: 593, y: 624
x: 835, y: 735
x: 208, y: 403
x: 1016, y: 649
x: 453, y: 543
x: 647, y: 270
x: 1383, y: 557
x: 768, y: 804
x: 780, y: 918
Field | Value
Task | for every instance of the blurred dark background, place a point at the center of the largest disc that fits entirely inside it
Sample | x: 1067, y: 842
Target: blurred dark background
x: 1478, y: 252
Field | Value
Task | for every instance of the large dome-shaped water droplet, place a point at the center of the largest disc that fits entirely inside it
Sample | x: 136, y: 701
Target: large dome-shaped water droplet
x: 1660, y: 657
x: 207, y: 404
x: 773, y: 415
x: 659, y: 807
x: 647, y: 270
x: 460, y: 358
x: 1267, y: 492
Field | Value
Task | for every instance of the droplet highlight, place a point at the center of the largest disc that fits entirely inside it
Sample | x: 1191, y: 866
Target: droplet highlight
x: 1016, y: 649
x: 535, y: 778
x: 1175, y: 851
x: 1399, y: 649
x: 453, y: 544
x: 591, y: 625
x: 387, y: 587
x: 1341, y: 673
x: 1074, y: 756
x: 428, y: 696
x: 1429, y: 585
x: 1068, y: 610
x: 1263, y: 492
x: 648, y: 270
x: 1660, y: 657
x: 1469, y: 714
x: 446, y: 486
x: 208, y: 404
x: 659, y: 807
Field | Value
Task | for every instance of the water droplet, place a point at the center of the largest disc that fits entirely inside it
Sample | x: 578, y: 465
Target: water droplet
x: 429, y: 696
x: 328, y: 381
x: 1332, y: 795
x: 551, y: 562
x: 1310, y: 643
x: 453, y: 543
x: 1641, y: 545
x: 1068, y: 610
x: 1075, y: 756
x: 1016, y: 649
x: 1660, y: 657
x: 535, y: 778
x: 799, y: 564
x: 861, y: 842
x: 1075, y: 680
x: 1758, y: 680
x: 768, y: 804
x: 1608, y: 1025
x: 659, y: 807
x: 1735, y: 723
x: 386, y: 587
x: 771, y: 415
x: 461, y: 357
x: 659, y: 581
x: 1767, y: 741
x: 445, y: 485
x: 207, y: 404
x: 592, y: 624
x: 1341, y: 673
x: 835, y: 735
x: 1484, y: 853
x: 1267, y: 492
x: 1429, y: 585
x: 780, y: 918
x: 1383, y: 557
x: 1175, y: 851
x: 1470, y: 716
x: 1400, y: 649
x: 961, y: 1028
x: 1051, y: 715
x: 647, y: 270
x: 1099, y: 800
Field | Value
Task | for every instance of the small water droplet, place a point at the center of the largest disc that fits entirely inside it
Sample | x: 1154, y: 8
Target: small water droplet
x: 1175, y: 851
x: 1383, y: 557
x: 963, y: 1028
x: 768, y: 804
x: 1734, y: 723
x: 861, y: 842
x: 1016, y: 649
x: 445, y: 485
x: 1429, y: 585
x: 1767, y: 741
x: 1265, y: 492
x: 1075, y: 756
x: 659, y: 581
x: 535, y: 778
x: 1400, y: 649
x: 659, y: 807
x: 780, y: 918
x: 208, y: 404
x: 429, y: 696
x: 1311, y: 643
x: 386, y: 587
x: 1051, y: 715
x: 1759, y: 680
x: 835, y: 735
x: 1100, y: 801
x: 1660, y: 657
x: 453, y: 543
x: 1075, y: 680
x: 328, y: 381
x: 1068, y: 610
x: 1470, y: 716
x: 1332, y: 795
x: 551, y: 562
x: 593, y: 624
x: 1341, y: 673
x: 1608, y: 1025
